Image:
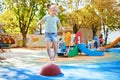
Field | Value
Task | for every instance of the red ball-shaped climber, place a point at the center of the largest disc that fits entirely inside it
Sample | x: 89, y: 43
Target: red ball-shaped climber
x: 50, y: 69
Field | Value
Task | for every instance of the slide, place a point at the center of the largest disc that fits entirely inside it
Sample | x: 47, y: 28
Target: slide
x: 113, y: 43
x: 89, y: 52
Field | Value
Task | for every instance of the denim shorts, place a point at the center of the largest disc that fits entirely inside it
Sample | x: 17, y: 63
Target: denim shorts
x: 51, y: 37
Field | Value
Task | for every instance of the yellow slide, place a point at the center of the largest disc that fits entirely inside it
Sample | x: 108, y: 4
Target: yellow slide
x: 113, y: 43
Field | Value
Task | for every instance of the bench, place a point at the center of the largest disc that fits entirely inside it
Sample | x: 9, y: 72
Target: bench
x: 6, y: 42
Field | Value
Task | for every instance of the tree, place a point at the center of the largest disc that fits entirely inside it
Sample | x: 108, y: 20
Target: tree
x: 79, y: 16
x: 25, y: 12
x: 9, y: 21
x: 109, y: 13
x: 71, y: 15
x: 92, y: 20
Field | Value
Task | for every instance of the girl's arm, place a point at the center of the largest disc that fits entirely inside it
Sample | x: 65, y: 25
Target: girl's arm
x: 61, y: 27
x: 40, y: 22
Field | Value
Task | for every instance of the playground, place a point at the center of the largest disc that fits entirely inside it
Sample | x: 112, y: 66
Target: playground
x: 25, y: 64
x: 76, y: 62
x: 59, y: 40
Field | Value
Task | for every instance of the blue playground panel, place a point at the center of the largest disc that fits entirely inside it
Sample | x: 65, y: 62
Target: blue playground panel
x: 101, y: 69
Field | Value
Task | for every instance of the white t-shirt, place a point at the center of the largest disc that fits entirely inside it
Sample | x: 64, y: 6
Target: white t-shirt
x: 51, y: 23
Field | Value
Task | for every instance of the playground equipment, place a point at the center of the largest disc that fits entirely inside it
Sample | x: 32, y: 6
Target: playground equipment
x: 50, y: 69
x: 89, y: 52
x: 67, y: 38
x: 71, y: 51
x: 113, y: 43
x: 66, y: 49
x: 78, y: 38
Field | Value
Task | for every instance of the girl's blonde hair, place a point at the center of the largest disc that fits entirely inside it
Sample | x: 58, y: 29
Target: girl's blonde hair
x: 55, y: 7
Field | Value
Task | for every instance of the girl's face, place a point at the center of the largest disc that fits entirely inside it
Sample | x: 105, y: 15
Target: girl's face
x: 53, y: 11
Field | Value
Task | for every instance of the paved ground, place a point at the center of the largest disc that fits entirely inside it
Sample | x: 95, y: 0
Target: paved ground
x: 25, y: 64
x: 19, y: 52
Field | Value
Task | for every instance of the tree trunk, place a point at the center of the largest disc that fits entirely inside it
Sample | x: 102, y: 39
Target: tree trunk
x: 75, y: 28
x: 94, y: 30
x: 24, y: 40
x: 106, y: 36
x: 105, y: 33
x: 40, y: 27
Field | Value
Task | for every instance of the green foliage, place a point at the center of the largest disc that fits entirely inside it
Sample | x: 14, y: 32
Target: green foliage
x: 9, y: 22
x: 109, y: 12
x: 26, y: 13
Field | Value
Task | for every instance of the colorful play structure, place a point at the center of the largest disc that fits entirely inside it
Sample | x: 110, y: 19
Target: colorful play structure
x: 71, y: 51
x: 79, y: 47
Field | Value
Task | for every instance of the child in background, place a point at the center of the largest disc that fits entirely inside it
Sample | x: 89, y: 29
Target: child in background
x: 101, y: 40
x: 90, y: 44
x: 96, y: 41
x: 51, y: 21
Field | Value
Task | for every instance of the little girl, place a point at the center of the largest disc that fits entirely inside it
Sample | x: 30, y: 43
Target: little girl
x: 51, y: 21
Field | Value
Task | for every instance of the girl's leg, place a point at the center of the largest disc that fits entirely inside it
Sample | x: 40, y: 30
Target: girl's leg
x: 55, y: 49
x: 48, y: 46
